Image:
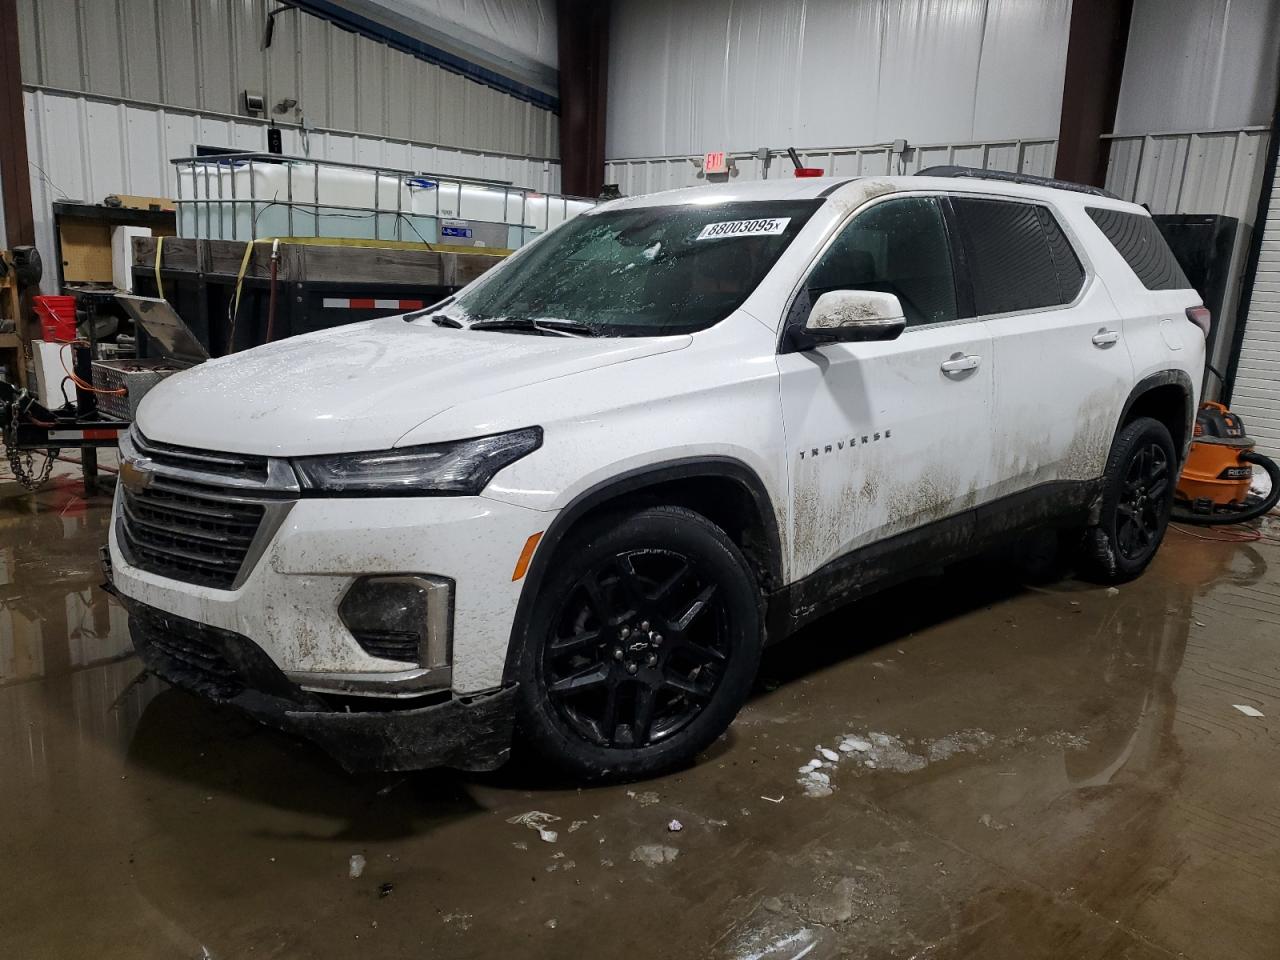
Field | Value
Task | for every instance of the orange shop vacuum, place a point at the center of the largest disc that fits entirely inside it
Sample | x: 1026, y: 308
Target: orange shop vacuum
x: 1215, y: 485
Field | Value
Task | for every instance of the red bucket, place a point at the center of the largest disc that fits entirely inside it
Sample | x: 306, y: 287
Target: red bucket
x: 57, y: 317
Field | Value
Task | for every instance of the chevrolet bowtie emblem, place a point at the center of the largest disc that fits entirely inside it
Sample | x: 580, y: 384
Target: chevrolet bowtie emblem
x: 136, y: 473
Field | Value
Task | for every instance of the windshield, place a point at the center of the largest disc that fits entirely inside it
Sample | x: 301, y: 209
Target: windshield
x: 645, y: 271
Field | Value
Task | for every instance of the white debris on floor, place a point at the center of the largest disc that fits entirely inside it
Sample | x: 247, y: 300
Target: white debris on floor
x: 652, y: 854
x: 875, y: 751
x: 1260, y: 485
x: 964, y: 741
x: 758, y: 945
x: 355, y: 866
x: 537, y: 820
x: 1247, y: 710
x: 816, y: 783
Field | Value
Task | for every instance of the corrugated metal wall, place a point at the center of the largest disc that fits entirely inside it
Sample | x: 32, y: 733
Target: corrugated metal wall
x: 201, y: 55
x: 686, y: 78
x: 116, y: 88
x: 83, y: 148
x: 1256, y: 394
x: 1213, y: 172
x: 651, y: 174
x: 1199, y: 65
x: 1216, y: 172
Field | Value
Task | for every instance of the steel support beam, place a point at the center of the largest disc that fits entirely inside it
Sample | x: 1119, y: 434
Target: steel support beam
x: 20, y: 225
x: 1096, y: 46
x: 583, y: 29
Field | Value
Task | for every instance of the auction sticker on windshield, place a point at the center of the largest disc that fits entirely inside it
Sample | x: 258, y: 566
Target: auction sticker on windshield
x: 766, y: 227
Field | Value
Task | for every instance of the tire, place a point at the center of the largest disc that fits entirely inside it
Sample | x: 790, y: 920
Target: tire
x: 617, y: 626
x: 1137, y: 499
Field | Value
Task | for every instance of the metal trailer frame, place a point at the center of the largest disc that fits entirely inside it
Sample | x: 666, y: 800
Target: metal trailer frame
x: 83, y: 429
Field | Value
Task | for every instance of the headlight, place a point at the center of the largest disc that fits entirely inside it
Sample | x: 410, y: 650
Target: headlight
x: 460, y: 467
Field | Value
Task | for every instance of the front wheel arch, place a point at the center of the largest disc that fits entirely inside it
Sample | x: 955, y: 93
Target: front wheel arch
x: 652, y: 485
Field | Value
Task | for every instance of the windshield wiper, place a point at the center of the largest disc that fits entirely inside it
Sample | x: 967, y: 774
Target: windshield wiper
x: 561, y: 328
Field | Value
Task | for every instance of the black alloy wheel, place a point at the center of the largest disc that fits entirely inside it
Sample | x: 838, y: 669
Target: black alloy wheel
x: 642, y: 644
x: 1143, y: 508
x: 1137, y: 500
x: 638, y: 650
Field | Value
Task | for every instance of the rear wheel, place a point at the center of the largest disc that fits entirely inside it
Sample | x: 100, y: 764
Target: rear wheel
x: 1137, y: 498
x: 643, y: 644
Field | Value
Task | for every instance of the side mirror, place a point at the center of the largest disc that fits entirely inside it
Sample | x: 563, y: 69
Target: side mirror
x: 855, y: 315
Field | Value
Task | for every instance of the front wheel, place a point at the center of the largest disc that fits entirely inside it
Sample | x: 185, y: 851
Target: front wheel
x: 1137, y: 499
x: 643, y: 644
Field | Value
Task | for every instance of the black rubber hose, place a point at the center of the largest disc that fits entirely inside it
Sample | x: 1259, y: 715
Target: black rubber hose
x: 1263, y: 506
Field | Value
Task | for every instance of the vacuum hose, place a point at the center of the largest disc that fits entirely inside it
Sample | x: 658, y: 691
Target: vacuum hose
x: 1258, y: 509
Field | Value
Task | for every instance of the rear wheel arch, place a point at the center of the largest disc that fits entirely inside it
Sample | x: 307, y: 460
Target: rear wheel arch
x: 1166, y: 396
x: 723, y: 489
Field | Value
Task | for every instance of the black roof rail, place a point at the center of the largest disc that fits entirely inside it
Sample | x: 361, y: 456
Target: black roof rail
x: 977, y: 173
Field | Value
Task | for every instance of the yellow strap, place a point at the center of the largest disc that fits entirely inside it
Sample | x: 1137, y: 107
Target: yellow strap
x: 235, y: 309
x: 159, y: 282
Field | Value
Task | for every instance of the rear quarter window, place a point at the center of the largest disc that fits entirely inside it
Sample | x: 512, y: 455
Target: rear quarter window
x: 1017, y: 255
x: 1137, y: 238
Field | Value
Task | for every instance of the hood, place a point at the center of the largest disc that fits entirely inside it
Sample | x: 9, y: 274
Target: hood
x: 363, y: 386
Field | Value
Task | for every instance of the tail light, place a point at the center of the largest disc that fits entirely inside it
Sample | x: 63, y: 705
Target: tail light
x: 810, y: 172
x: 1200, y: 317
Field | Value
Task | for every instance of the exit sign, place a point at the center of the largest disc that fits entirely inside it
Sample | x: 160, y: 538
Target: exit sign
x: 715, y: 163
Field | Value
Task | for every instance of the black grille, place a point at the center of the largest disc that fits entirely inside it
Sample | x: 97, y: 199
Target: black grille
x: 390, y: 645
x: 187, y: 532
x: 236, y: 466
x: 217, y: 663
x: 185, y: 652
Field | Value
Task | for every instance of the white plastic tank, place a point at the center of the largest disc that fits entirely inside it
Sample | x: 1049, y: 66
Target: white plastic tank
x: 236, y: 198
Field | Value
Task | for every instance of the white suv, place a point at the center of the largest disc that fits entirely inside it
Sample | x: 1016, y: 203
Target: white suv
x: 569, y: 505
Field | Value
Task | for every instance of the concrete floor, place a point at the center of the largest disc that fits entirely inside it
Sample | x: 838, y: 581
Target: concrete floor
x: 1053, y: 772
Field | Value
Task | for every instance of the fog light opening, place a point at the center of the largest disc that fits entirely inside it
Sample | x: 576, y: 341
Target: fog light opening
x: 404, y: 617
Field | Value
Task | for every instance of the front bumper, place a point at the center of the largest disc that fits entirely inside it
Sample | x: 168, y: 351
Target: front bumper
x: 467, y: 733
x: 288, y: 602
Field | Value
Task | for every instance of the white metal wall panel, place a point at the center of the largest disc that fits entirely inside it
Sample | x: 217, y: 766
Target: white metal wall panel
x: 1199, y: 65
x: 652, y: 174
x: 739, y: 74
x: 84, y: 148
x: 201, y: 55
x: 527, y: 27
x: 1256, y: 395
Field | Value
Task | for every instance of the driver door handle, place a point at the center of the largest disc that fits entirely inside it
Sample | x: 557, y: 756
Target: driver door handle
x: 1105, y: 337
x: 961, y: 362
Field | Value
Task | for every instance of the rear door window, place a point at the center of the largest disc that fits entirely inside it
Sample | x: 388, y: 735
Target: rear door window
x: 899, y: 247
x: 1018, y: 256
x: 1138, y: 240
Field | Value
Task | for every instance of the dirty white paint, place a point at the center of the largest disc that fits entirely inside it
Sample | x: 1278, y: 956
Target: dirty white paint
x: 880, y: 441
x: 288, y: 605
x: 848, y: 308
